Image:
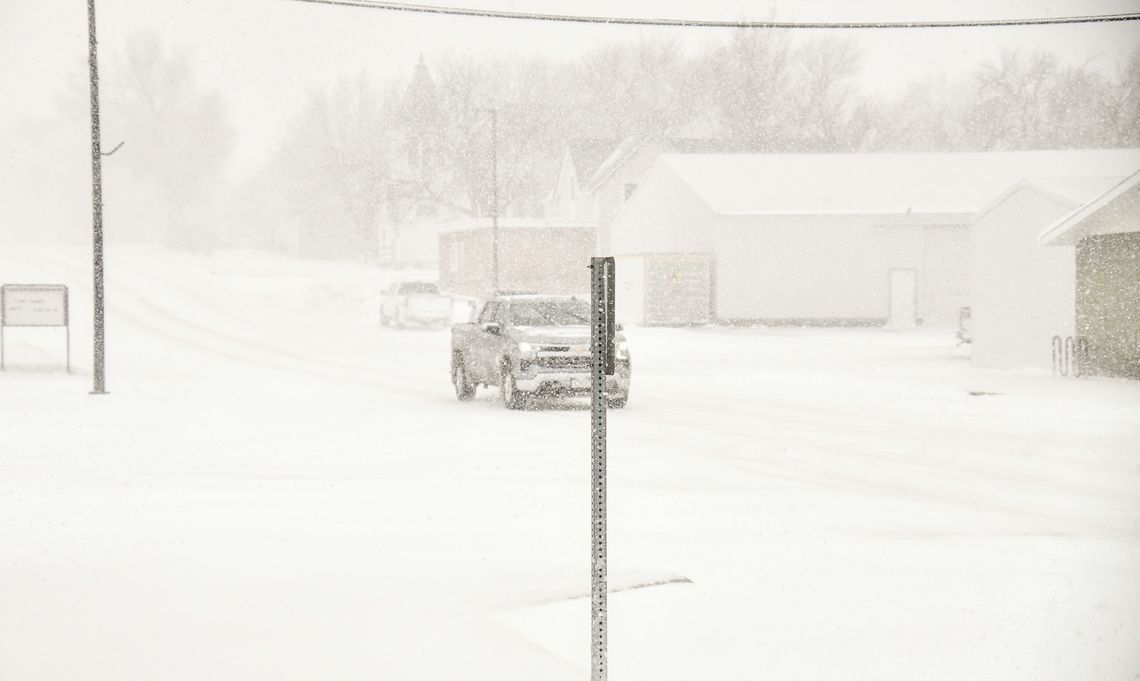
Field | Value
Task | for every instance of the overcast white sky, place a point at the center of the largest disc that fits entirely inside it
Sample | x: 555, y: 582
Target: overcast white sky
x: 264, y: 54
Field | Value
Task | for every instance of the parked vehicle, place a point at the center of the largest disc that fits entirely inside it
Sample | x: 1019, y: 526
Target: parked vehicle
x: 415, y: 302
x: 530, y: 345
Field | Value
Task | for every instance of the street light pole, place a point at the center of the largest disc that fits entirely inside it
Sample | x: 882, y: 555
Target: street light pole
x: 100, y: 385
x: 495, y: 199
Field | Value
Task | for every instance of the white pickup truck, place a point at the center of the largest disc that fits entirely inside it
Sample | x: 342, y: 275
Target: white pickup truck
x: 415, y: 302
x: 532, y: 345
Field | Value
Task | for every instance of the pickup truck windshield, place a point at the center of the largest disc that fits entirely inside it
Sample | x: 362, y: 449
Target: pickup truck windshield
x: 550, y: 313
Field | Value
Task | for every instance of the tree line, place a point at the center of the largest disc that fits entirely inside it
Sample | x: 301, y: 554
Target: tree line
x: 362, y: 157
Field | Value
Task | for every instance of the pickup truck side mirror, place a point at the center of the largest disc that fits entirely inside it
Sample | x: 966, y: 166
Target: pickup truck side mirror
x: 492, y: 328
x: 619, y: 327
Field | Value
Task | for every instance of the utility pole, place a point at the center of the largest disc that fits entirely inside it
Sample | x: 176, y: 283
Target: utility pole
x: 495, y: 198
x: 100, y: 385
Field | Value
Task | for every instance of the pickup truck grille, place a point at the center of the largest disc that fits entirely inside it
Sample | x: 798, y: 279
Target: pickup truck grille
x: 579, y: 362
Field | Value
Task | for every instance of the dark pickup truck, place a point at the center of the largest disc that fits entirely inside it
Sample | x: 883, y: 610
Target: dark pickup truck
x: 532, y: 345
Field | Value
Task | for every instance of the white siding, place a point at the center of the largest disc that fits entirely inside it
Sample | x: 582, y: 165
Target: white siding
x: 630, y: 282
x: 1021, y: 293
x: 798, y: 267
x: 835, y: 267
x: 943, y: 284
x: 662, y: 216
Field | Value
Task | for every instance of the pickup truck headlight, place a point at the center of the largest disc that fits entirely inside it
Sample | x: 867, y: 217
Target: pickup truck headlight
x: 527, y: 347
x: 621, y: 349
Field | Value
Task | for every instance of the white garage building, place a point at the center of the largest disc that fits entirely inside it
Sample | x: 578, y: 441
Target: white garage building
x: 822, y: 239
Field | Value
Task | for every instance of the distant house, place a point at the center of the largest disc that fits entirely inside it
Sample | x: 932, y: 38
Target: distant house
x: 617, y: 178
x: 594, y: 187
x: 570, y: 199
x: 1104, y: 237
x: 536, y: 256
x: 825, y: 239
x: 1023, y: 295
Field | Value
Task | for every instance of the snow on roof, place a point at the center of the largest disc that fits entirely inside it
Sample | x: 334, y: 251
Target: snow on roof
x: 634, y: 143
x: 1110, y: 212
x: 1076, y: 190
x: 749, y: 184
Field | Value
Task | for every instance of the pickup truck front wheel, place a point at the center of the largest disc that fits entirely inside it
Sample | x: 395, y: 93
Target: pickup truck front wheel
x: 513, y: 398
x: 464, y: 389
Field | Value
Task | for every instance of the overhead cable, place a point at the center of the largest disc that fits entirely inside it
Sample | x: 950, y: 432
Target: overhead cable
x: 706, y: 23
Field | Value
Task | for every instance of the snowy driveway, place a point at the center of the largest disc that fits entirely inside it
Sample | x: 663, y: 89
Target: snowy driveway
x: 277, y: 488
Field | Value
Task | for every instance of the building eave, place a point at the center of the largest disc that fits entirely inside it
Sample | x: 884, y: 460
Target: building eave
x: 1073, y: 227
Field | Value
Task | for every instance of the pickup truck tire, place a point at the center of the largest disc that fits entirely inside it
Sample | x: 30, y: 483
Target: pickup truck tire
x: 464, y: 390
x: 617, y: 402
x: 513, y: 398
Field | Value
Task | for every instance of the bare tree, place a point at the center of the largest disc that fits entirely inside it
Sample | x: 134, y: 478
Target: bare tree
x: 748, y: 89
x: 1010, y: 109
x: 825, y: 97
x: 178, y: 142
x: 332, y: 170
x: 634, y: 89
x: 1123, y: 102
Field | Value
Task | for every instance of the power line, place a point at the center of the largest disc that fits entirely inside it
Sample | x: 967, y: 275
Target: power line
x: 702, y: 23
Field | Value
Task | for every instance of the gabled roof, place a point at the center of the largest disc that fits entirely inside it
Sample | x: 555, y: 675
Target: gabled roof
x: 1076, y: 190
x: 1114, y: 211
x: 635, y: 143
x: 485, y: 223
x: 884, y: 183
x: 588, y: 153
x: 1068, y: 191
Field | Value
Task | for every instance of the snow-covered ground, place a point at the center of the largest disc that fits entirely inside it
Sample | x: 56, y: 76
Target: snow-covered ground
x: 278, y: 488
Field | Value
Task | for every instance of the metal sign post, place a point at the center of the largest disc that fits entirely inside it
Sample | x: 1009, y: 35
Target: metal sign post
x: 602, y: 365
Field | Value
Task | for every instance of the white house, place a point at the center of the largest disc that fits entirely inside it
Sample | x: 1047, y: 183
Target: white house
x: 834, y: 239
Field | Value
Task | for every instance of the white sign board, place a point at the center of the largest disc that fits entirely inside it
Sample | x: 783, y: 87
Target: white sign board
x: 33, y: 305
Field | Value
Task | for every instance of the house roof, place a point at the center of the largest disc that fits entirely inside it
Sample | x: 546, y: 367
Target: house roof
x: 589, y: 153
x: 635, y: 143
x: 1076, y: 190
x: 1114, y: 211
x: 887, y: 183
x: 485, y: 223
x: 1069, y: 191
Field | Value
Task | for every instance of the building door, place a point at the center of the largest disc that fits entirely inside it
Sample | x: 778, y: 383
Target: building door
x: 904, y: 299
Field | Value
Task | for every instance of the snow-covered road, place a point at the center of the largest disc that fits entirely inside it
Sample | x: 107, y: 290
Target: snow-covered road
x: 278, y: 488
